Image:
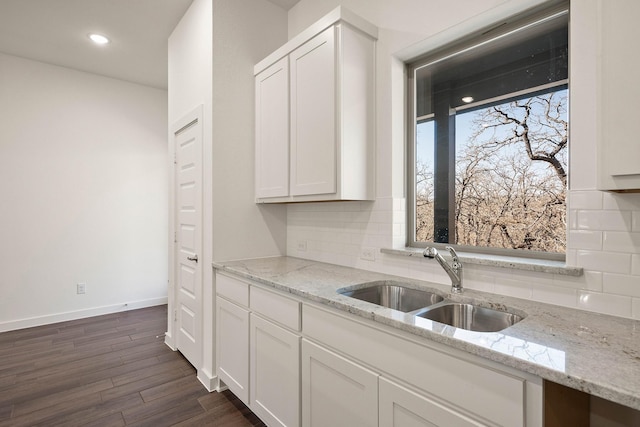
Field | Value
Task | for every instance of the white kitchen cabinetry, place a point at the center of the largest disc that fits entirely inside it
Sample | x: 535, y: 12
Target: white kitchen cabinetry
x: 313, y: 121
x: 275, y: 373
x: 401, y: 407
x: 336, y: 391
x: 300, y: 363
x: 258, y: 349
x: 315, y: 100
x: 272, y: 131
x: 233, y: 347
x: 617, y: 84
x: 456, y: 389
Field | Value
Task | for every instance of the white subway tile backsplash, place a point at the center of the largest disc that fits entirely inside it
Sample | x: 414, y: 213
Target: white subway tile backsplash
x: 571, y: 257
x: 604, y: 303
x: 620, y: 284
x: 615, y: 241
x: 621, y: 202
x: 610, y: 262
x: 590, y: 280
x: 635, y: 264
x: 554, y: 295
x: 635, y: 221
x: 585, y: 200
x: 584, y: 239
x: 513, y: 288
x: 604, y: 220
x: 572, y: 219
x: 603, y: 238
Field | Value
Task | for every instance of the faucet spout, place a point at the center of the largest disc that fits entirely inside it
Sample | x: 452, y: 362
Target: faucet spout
x: 454, y: 270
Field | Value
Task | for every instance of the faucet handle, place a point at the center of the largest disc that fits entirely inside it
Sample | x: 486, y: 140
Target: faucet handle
x: 453, y: 253
x: 456, y: 264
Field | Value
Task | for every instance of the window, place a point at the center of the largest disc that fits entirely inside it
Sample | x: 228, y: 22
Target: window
x: 488, y: 135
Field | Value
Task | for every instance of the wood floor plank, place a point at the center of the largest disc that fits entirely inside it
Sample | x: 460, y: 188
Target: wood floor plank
x: 162, y: 404
x: 171, y: 416
x: 112, y: 370
x: 148, y: 371
x: 5, y: 412
x: 113, y: 420
x: 77, y: 393
x: 98, y: 411
x: 140, y: 385
x: 45, y: 415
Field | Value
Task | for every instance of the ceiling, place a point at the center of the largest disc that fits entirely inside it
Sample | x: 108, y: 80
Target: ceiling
x: 55, y: 31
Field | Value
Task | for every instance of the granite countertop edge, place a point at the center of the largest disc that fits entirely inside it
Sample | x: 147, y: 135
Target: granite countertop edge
x: 595, y: 353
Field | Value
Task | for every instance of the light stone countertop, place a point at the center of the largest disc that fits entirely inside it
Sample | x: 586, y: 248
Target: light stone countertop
x: 595, y: 353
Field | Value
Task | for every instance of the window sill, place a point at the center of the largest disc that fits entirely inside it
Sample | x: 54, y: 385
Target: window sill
x: 527, y: 264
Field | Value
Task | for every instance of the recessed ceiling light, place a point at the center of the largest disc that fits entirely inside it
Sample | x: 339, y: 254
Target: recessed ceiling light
x: 467, y: 99
x: 99, y: 39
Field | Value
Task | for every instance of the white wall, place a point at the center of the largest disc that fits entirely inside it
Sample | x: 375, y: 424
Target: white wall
x: 211, y: 56
x: 245, y: 31
x: 604, y: 228
x: 83, y: 184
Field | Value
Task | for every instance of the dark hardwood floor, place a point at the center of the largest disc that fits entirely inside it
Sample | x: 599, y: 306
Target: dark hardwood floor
x: 112, y: 370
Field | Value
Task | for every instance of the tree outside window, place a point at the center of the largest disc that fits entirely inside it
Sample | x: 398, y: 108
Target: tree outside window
x: 503, y: 171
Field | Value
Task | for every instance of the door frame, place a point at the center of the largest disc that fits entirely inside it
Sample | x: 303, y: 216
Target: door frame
x: 195, y: 115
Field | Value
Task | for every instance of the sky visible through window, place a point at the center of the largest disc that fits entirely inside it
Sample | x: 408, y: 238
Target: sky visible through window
x: 425, y: 134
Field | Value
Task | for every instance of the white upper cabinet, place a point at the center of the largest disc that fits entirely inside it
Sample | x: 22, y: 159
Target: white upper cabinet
x: 618, y: 140
x: 315, y: 98
x: 272, y: 131
x: 313, y: 116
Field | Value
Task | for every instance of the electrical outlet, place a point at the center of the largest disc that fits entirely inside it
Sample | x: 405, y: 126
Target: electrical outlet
x: 302, y: 245
x: 81, y: 288
x: 368, y: 254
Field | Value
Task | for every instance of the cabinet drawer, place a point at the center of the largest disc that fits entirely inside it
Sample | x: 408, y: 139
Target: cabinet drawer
x: 493, y: 395
x: 232, y: 289
x: 278, y: 308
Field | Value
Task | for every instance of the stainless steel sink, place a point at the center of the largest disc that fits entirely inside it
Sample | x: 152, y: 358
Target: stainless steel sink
x: 470, y: 317
x: 394, y: 295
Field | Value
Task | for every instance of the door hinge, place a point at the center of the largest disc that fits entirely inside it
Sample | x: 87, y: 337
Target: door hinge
x: 175, y: 315
x: 175, y: 159
x: 175, y: 237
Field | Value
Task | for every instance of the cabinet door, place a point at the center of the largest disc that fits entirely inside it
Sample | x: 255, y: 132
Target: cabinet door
x: 275, y: 373
x: 619, y: 148
x: 272, y: 131
x: 336, y: 391
x: 232, y: 345
x: 401, y: 407
x: 313, y: 110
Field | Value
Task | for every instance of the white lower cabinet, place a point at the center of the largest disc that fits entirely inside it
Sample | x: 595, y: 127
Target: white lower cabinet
x: 336, y: 391
x: 275, y: 373
x: 401, y: 407
x: 296, y: 363
x: 258, y: 349
x: 233, y: 347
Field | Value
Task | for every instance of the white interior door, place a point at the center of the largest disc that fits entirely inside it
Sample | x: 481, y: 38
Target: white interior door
x: 188, y: 236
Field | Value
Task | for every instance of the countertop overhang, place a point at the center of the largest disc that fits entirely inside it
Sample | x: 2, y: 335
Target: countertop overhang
x: 594, y: 353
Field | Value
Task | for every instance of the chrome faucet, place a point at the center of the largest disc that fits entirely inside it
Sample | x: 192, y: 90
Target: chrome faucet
x: 454, y: 270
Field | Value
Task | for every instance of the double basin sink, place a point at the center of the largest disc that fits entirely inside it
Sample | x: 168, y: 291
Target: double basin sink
x: 428, y: 305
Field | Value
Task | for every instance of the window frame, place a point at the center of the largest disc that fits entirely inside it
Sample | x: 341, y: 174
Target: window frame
x: 499, y: 31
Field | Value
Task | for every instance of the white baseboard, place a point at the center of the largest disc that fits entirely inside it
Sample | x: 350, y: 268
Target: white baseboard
x: 13, y: 325
x: 211, y: 383
x: 168, y: 340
